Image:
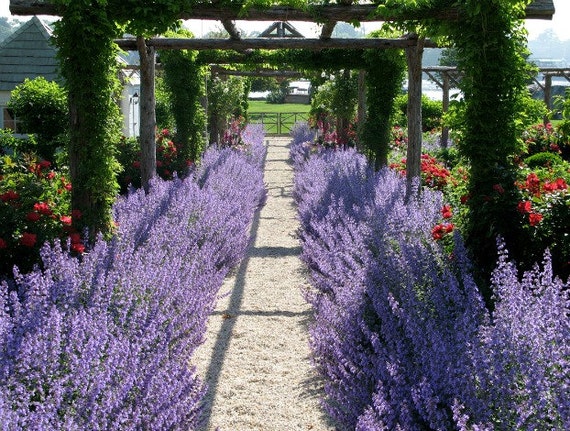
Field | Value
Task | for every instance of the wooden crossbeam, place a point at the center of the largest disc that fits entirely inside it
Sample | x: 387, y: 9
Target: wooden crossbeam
x: 263, y: 73
x: 268, y: 43
x: 538, y: 9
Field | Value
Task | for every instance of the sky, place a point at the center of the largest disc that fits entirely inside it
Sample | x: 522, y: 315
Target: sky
x: 559, y: 23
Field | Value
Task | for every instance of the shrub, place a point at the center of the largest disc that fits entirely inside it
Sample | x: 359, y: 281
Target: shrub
x: 167, y: 161
x: 432, y: 112
x: 35, y: 203
x: 41, y: 108
x: 543, y: 160
x: 540, y: 138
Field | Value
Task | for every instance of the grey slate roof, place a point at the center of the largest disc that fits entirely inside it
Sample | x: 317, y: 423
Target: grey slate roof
x: 28, y: 53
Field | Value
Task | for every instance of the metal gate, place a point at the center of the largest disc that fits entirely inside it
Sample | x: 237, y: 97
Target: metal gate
x: 277, y: 123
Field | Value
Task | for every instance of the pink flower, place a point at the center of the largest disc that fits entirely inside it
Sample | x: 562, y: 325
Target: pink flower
x: 66, y: 220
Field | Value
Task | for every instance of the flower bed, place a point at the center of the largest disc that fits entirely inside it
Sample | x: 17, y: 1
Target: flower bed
x: 105, y: 341
x: 401, y: 334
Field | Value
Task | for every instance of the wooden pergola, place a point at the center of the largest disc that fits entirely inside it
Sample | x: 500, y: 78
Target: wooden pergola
x: 329, y: 15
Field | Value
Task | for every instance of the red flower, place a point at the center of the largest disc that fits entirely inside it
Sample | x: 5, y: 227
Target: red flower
x: 524, y: 207
x: 50, y: 175
x: 66, y: 220
x: 499, y: 188
x: 43, y: 208
x: 533, y: 183
x: 465, y: 199
x: 440, y: 230
x: 77, y: 247
x: 534, y: 218
x: 76, y: 214
x: 446, y: 211
x: 33, y: 216
x: 3, y: 244
x: 67, y: 187
x: 10, y: 195
x: 561, y: 184
x: 75, y: 238
x: 136, y: 164
x: 28, y: 239
x: 44, y: 164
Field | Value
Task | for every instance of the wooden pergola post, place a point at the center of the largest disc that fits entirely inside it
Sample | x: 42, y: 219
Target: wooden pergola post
x: 361, y: 111
x: 147, y: 112
x: 413, y: 157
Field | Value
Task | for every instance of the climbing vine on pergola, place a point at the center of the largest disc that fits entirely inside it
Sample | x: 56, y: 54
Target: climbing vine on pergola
x: 488, y: 34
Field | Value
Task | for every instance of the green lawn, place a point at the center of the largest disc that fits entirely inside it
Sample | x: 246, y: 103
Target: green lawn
x: 277, y: 118
x: 262, y: 106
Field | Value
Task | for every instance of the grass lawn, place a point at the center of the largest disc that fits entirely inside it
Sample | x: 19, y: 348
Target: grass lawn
x: 277, y: 118
x: 263, y: 106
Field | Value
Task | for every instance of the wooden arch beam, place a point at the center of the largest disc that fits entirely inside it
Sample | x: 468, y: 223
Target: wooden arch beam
x: 268, y: 43
x: 538, y: 9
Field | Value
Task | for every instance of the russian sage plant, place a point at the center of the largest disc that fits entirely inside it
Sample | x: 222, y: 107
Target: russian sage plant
x: 106, y: 342
x: 401, y: 334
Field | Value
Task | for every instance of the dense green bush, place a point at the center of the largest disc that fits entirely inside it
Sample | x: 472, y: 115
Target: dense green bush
x: 432, y: 112
x: 226, y: 100
x: 163, y: 104
x: 167, y: 161
x: 184, y: 79
x: 35, y: 206
x: 385, y: 70
x: 41, y: 109
x: 544, y: 160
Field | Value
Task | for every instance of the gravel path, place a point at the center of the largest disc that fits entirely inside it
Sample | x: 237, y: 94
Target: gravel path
x: 256, y: 357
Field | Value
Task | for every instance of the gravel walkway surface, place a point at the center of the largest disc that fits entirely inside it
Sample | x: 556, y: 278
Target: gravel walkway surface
x: 256, y: 357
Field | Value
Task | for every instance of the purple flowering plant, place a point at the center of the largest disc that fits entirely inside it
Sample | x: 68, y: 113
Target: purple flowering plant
x: 105, y: 341
x: 401, y: 334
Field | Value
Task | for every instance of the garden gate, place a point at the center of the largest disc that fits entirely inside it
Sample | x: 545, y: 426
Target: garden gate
x: 277, y: 123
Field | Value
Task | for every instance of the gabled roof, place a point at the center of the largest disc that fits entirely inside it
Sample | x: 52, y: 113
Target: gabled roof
x: 281, y: 29
x: 28, y: 53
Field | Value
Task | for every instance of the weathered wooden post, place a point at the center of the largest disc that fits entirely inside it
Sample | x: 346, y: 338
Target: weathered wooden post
x: 361, y: 111
x: 445, y: 108
x: 413, y: 157
x: 147, y: 112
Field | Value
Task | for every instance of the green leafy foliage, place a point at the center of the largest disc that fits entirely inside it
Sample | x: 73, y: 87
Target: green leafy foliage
x: 184, y: 79
x: 168, y: 161
x: 35, y: 206
x: 384, y: 77
x: 225, y: 101
x: 95, y: 117
x: 41, y: 108
x: 491, y: 49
